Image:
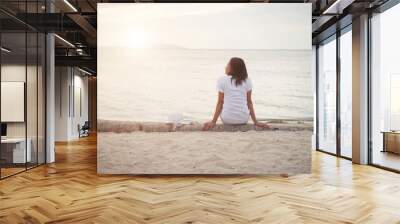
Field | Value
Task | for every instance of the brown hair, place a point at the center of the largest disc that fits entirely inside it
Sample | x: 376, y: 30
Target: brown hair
x: 238, y: 70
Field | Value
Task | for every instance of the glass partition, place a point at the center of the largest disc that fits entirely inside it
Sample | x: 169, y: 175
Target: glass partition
x: 22, y: 77
x: 13, y: 94
x: 31, y: 97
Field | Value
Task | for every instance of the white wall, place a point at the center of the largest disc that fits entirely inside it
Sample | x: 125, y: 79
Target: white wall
x: 62, y: 81
x: 69, y: 112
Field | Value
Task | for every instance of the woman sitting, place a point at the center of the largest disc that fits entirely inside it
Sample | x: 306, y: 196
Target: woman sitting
x: 234, y: 104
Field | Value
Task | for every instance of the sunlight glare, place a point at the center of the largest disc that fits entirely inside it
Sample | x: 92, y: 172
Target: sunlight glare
x: 137, y: 39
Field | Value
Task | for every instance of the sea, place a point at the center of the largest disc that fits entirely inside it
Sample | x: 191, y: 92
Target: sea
x: 153, y: 84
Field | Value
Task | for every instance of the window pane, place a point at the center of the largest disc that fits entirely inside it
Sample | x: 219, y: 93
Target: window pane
x: 386, y: 89
x: 327, y: 96
x: 346, y: 94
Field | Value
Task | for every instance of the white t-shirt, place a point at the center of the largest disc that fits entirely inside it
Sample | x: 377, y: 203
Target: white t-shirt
x: 234, y: 109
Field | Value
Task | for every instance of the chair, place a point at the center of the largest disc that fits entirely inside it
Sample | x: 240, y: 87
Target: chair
x: 84, y: 130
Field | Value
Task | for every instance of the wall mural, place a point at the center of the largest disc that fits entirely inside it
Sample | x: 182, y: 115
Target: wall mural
x: 204, y: 88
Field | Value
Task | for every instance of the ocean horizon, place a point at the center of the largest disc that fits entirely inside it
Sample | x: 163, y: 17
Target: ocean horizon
x: 152, y: 84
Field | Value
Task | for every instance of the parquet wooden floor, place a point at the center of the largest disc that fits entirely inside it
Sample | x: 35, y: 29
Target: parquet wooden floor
x: 70, y: 191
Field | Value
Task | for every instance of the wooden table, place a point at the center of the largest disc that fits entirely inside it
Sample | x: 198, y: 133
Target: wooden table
x: 391, y: 141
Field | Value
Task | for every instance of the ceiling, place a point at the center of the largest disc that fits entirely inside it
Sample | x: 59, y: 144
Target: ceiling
x: 75, y: 21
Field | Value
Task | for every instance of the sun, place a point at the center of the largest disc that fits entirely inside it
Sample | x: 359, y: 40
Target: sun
x: 137, y: 39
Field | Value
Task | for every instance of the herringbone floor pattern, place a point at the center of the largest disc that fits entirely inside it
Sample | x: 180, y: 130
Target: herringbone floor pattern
x: 70, y: 191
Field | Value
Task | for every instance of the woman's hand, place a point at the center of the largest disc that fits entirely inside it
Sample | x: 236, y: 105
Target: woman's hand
x: 261, y: 125
x: 208, y: 125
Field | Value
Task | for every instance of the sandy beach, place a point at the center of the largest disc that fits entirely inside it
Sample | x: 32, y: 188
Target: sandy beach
x: 149, y: 148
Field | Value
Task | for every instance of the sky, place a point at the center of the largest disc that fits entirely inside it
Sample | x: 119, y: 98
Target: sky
x: 205, y: 26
